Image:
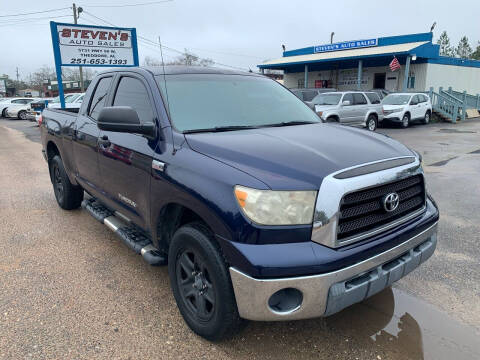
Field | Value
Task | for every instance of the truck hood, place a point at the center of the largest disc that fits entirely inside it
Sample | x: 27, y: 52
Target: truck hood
x: 296, y: 157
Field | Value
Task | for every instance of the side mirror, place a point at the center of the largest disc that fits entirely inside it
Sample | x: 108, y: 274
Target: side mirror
x: 346, y: 103
x: 123, y: 119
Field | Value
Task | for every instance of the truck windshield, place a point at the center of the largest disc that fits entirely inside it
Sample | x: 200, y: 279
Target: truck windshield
x: 396, y: 99
x: 214, y: 102
x: 327, y: 99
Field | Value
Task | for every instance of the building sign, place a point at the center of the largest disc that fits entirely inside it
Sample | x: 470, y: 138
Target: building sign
x: 3, y: 86
x: 346, y: 45
x: 350, y: 77
x: 88, y: 45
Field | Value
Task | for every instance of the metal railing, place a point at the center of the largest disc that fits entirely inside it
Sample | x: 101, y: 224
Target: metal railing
x: 452, y: 104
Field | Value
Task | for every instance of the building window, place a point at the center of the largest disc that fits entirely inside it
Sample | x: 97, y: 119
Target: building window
x: 301, y: 83
x: 411, y: 81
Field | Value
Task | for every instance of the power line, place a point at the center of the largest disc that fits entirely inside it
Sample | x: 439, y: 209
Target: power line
x: 129, y: 5
x: 163, y: 46
x: 35, y: 12
x: 22, y: 21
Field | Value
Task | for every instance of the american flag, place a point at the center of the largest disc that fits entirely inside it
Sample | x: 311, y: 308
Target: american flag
x: 394, y: 64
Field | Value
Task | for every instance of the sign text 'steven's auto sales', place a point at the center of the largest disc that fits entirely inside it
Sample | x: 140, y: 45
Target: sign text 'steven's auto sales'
x: 93, y: 46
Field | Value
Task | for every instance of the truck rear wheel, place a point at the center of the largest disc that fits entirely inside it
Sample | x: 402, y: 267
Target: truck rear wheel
x: 68, y: 195
x: 201, y: 283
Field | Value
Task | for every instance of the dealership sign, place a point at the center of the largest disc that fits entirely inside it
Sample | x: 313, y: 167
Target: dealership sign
x: 346, y: 45
x: 89, y: 45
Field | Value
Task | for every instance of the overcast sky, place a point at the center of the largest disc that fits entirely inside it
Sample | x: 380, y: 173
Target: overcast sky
x: 237, y: 33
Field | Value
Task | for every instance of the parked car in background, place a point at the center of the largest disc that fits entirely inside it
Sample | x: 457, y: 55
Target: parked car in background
x: 381, y: 92
x: 36, y: 107
x: 404, y: 108
x: 350, y: 108
x: 6, y: 102
x: 308, y: 94
x: 74, y: 101
x: 19, y: 111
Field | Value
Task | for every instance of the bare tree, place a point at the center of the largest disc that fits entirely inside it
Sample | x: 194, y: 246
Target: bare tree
x: 190, y: 59
x: 151, y: 61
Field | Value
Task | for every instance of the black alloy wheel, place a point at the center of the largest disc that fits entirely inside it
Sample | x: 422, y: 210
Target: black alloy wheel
x: 58, y: 186
x: 193, y: 280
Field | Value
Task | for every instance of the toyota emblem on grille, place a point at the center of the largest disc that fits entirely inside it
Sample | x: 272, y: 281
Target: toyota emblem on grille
x: 391, y: 201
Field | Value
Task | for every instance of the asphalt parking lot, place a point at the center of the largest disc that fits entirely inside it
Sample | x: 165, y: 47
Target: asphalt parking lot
x: 70, y: 289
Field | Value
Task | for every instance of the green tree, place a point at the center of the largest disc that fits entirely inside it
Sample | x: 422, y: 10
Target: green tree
x: 476, y: 54
x: 464, y: 50
x: 445, y: 47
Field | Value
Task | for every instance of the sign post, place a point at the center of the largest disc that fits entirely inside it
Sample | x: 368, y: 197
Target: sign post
x: 89, y: 45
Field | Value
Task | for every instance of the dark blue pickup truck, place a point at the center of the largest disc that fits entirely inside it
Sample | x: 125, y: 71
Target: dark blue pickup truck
x: 260, y: 210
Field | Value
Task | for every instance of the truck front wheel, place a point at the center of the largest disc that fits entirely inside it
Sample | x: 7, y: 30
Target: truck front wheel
x: 68, y: 195
x: 201, y: 283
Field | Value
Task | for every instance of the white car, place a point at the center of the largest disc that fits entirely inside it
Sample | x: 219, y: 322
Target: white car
x: 6, y: 102
x: 405, y: 108
x: 72, y: 101
x: 19, y: 111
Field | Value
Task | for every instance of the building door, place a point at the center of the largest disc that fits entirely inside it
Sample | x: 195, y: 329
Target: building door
x: 379, y: 80
x: 391, y: 82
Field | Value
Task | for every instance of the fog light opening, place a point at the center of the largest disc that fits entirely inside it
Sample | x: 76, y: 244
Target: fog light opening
x: 285, y: 301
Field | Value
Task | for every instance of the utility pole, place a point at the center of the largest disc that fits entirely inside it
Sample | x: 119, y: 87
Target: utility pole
x: 76, y: 13
x: 17, y: 75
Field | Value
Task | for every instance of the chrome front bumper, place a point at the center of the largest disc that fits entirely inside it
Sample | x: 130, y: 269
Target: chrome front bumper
x: 328, y: 293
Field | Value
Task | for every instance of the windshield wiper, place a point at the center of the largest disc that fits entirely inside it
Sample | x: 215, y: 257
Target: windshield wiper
x: 291, y: 123
x: 221, y: 128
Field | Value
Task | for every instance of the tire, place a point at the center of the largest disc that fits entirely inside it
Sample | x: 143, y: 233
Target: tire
x: 332, y: 119
x: 371, y: 123
x: 199, y: 276
x: 427, y: 117
x: 68, y: 196
x: 4, y: 113
x: 22, y: 115
x: 405, y: 121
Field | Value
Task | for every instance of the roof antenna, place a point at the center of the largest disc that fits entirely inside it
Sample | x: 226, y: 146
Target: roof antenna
x: 433, y: 26
x: 164, y: 77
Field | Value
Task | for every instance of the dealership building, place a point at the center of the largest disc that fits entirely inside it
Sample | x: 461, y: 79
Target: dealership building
x: 364, y: 64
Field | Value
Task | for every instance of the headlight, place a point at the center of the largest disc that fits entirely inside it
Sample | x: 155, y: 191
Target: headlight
x: 268, y: 207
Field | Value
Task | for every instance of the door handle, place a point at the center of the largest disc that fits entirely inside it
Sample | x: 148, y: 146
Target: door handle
x: 103, y: 141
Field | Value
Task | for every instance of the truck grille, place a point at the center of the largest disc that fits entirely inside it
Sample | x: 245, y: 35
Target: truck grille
x: 363, y: 211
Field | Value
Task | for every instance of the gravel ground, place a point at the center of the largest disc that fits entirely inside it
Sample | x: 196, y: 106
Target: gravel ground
x: 70, y: 289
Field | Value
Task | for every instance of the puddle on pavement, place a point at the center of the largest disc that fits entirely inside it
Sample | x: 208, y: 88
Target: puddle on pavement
x: 456, y: 131
x: 443, y: 162
x: 405, y: 326
x: 390, y: 325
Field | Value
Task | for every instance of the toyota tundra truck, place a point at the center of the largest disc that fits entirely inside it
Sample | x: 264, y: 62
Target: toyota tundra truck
x: 259, y: 209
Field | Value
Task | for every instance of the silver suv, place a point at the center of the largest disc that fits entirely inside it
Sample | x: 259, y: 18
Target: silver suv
x: 360, y: 108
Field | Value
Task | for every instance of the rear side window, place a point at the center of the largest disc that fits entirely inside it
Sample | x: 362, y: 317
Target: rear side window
x: 423, y: 98
x: 298, y: 94
x: 373, y: 97
x: 348, y: 97
x: 99, y: 97
x: 131, y: 92
x: 359, y: 99
x: 309, y: 95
